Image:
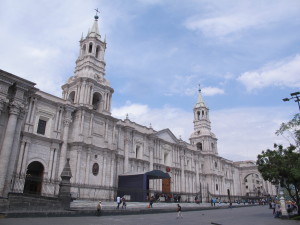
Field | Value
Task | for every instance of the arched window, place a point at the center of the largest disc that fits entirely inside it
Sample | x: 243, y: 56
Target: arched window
x: 212, y: 146
x: 96, y: 101
x: 217, y: 187
x: 90, y: 47
x: 198, y: 115
x: 202, y: 114
x: 199, y: 146
x: 71, y: 97
x: 97, y: 51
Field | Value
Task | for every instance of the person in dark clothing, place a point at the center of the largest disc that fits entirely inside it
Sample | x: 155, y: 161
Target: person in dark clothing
x: 151, y: 201
x: 179, y: 212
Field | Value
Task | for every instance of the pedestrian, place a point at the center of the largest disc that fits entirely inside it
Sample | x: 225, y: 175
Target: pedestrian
x: 123, y: 203
x: 99, y: 208
x: 273, y: 207
x: 151, y: 202
x: 211, y: 202
x: 118, y: 202
x: 179, y: 212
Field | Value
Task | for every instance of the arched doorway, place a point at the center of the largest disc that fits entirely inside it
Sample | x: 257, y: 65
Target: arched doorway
x: 34, y: 178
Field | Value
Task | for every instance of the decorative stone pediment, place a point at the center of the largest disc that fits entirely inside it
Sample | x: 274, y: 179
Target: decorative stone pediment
x: 167, y: 135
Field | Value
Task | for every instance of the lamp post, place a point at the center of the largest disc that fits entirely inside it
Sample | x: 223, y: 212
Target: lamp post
x: 296, y: 96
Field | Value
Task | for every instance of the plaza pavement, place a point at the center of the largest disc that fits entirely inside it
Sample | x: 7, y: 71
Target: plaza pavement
x: 257, y: 215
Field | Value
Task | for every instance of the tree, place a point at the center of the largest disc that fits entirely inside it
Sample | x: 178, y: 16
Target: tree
x: 282, y: 166
x: 291, y: 131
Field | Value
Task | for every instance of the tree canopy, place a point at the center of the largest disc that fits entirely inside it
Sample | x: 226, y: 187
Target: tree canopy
x: 281, y: 166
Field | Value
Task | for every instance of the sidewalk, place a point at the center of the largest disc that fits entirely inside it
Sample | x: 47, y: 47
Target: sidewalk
x: 88, y: 208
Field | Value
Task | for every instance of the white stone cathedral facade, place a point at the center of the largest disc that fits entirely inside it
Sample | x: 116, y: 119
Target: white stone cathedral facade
x: 39, y: 132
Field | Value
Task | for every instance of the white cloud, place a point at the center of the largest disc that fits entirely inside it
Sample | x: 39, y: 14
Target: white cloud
x: 227, y: 19
x: 177, y: 120
x: 283, y: 73
x: 210, y: 91
x: 242, y: 132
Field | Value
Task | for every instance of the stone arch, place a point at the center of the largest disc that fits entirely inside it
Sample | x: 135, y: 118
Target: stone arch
x: 97, y: 51
x: 34, y: 178
x: 96, y: 101
x: 71, y: 97
x: 252, y: 184
x: 90, y: 47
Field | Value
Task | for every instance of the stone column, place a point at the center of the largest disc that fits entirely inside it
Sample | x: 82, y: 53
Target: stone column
x: 54, y: 164
x: 7, y: 144
x: 50, y: 162
x: 24, y: 164
x: 112, y: 170
x: 21, y: 155
x: 78, y: 166
x: 126, y: 152
x: 104, y: 170
x: 87, y: 166
x: 151, y: 158
x: 182, y: 173
x: 197, y: 176
x: 63, y: 151
x: 82, y: 92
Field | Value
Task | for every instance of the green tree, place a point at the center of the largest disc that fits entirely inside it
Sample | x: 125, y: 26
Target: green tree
x: 282, y: 166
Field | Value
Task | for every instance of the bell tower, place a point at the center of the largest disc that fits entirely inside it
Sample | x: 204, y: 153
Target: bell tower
x: 88, y: 87
x: 202, y: 136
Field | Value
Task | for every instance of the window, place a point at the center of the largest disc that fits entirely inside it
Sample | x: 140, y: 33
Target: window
x: 90, y: 47
x: 72, y: 96
x: 216, y: 164
x: 246, y: 187
x: 41, y: 127
x: 199, y: 146
x: 217, y: 187
x: 96, y: 100
x: 97, y: 51
x: 95, y: 169
x: 198, y: 115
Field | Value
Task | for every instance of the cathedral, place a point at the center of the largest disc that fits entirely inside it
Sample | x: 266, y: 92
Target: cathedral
x: 39, y: 132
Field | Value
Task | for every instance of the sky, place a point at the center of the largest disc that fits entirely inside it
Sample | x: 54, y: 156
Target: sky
x: 244, y: 54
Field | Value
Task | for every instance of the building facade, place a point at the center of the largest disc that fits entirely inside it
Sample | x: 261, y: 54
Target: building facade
x: 39, y: 132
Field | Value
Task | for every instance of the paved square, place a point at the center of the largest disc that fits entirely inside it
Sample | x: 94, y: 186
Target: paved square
x: 259, y: 215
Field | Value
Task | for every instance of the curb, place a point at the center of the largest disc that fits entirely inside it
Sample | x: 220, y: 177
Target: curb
x: 108, y: 212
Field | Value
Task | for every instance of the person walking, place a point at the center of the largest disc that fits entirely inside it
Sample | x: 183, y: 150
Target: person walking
x: 99, y: 208
x: 151, y: 202
x: 179, y: 212
x: 123, y: 203
x: 118, y: 202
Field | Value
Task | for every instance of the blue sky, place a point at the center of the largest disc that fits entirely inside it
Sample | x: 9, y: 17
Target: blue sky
x: 245, y: 55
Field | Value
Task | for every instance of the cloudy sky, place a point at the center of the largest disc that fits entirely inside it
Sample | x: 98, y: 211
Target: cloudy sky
x: 245, y: 55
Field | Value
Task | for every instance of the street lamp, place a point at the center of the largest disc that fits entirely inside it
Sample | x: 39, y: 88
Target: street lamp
x: 295, y: 95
